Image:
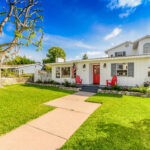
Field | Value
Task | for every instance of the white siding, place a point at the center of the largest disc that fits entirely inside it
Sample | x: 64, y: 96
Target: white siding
x: 129, y: 50
x: 140, y: 73
x: 29, y: 69
x: 141, y: 44
x: 84, y: 73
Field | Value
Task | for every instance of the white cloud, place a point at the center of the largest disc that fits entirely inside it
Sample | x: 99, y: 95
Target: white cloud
x: 113, y: 34
x: 129, y: 3
x: 127, y: 13
x: 127, y: 6
x: 124, y: 3
x: 55, y: 40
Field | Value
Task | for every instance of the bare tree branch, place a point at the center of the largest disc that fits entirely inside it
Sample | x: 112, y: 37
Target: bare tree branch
x: 4, y: 21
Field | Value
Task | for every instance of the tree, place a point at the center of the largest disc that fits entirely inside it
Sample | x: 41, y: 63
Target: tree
x: 53, y: 53
x: 26, y: 18
x: 84, y: 56
x: 19, y: 60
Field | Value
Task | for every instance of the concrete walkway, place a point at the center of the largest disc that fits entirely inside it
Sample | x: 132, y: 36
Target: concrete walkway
x: 52, y: 130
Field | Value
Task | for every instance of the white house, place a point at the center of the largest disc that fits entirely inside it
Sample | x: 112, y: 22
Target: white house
x: 23, y: 69
x: 130, y: 61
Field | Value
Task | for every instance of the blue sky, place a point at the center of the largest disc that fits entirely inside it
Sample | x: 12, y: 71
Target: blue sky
x: 90, y: 26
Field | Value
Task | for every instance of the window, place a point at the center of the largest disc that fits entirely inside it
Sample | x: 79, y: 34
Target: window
x: 146, y: 48
x: 65, y: 72
x: 120, y: 54
x: 122, y: 69
x: 58, y: 72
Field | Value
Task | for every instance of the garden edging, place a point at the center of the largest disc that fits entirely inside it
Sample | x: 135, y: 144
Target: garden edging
x: 130, y: 93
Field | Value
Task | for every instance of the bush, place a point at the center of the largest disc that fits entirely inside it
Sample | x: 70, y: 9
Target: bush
x: 39, y: 81
x: 139, y: 89
x: 146, y: 84
x: 73, y: 85
x: 116, y: 88
x: 67, y: 83
x: 52, y: 82
x: 8, y: 73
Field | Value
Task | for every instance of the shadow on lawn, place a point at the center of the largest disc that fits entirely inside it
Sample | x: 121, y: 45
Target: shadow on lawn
x: 117, y: 137
x: 120, y: 137
x: 48, y: 88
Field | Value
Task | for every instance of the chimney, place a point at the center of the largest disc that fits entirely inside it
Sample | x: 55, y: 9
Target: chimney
x: 60, y: 60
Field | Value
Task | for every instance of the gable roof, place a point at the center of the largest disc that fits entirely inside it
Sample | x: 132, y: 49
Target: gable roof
x: 135, y: 43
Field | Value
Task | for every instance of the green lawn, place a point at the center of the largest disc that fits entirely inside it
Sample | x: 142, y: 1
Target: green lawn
x: 21, y: 103
x: 121, y: 123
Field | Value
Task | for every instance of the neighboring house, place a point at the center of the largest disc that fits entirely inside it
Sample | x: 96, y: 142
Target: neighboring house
x: 130, y: 61
x: 23, y: 69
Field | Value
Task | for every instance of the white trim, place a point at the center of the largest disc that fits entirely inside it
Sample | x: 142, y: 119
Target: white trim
x: 96, y: 60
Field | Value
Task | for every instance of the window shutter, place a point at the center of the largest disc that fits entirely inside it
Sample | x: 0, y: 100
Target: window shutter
x: 113, y: 69
x: 116, y: 54
x: 130, y: 69
x: 124, y: 53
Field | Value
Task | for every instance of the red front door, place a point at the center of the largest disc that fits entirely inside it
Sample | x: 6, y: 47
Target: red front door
x: 96, y: 74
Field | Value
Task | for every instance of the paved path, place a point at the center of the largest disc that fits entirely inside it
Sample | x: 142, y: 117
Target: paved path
x: 50, y: 131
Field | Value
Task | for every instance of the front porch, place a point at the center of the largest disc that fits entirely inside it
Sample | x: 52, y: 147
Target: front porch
x: 89, y: 87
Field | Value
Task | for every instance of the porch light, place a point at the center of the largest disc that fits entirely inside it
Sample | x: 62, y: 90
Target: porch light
x: 104, y: 65
x: 84, y: 66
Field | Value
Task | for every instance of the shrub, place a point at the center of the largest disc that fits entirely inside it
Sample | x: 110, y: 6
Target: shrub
x: 67, y: 83
x: 139, y: 89
x: 39, y: 81
x: 51, y: 82
x: 146, y: 84
x: 73, y: 85
x: 116, y: 87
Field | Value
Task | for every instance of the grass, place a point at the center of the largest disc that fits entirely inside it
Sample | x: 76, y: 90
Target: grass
x: 121, y: 123
x: 21, y: 103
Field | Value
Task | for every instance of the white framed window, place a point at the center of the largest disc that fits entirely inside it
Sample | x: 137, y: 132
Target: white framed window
x: 122, y: 69
x: 65, y: 72
x: 120, y: 54
x: 146, y: 48
x: 57, y: 72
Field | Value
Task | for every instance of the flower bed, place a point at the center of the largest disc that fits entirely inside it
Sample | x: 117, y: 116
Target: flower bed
x: 130, y: 93
x: 59, y: 86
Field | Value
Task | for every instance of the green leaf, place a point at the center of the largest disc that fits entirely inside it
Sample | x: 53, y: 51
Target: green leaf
x: 18, y: 34
x: 32, y: 35
x: 2, y: 13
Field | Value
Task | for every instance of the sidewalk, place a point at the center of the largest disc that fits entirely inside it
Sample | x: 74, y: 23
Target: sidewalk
x: 50, y: 131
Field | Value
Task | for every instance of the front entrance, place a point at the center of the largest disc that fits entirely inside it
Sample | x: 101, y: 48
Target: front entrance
x: 96, y: 74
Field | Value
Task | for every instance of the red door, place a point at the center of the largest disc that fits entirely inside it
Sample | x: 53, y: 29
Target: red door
x: 96, y: 74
